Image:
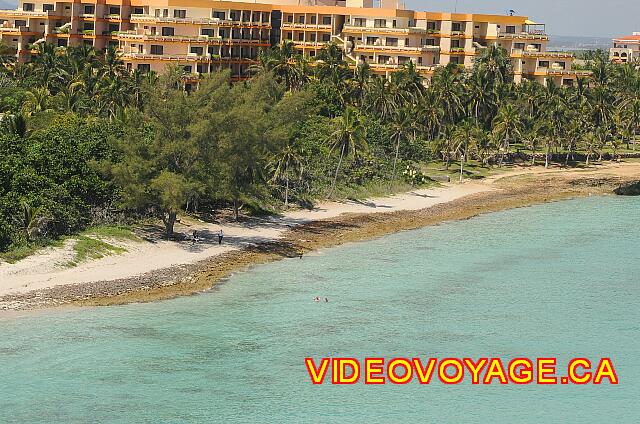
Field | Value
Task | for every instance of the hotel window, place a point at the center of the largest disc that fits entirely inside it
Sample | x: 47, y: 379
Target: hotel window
x: 168, y: 31
x: 289, y: 19
x: 511, y: 29
x: 406, y: 42
x: 88, y: 26
x: 430, y: 42
x: 543, y: 64
x: 455, y: 44
x: 165, y: 13
x: 138, y: 11
x: 265, y: 17
x: 518, y: 46
x: 395, y: 23
x: 144, y: 67
x: 155, y: 49
x: 234, y: 15
x: 48, y: 8
x: 313, y: 37
x: 313, y: 19
x: 89, y: 10
x: 188, y: 69
x: 218, y: 15
x: 62, y: 42
x: 196, y: 50
x: 114, y: 28
x: 223, y: 33
x: 392, y: 42
x: 380, y: 23
x: 19, y: 23
x: 326, y: 37
x: 326, y: 20
x: 371, y: 41
x: 27, y: 7
x: 202, y: 69
x: 301, y: 36
x: 288, y: 36
x: 180, y: 13
x: 114, y: 10
x: 207, y: 31
x: 456, y: 26
x: 455, y: 60
x: 359, y: 22
x: 431, y: 25
x: 301, y: 19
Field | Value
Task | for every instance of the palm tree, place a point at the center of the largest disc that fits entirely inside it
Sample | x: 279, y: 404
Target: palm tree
x: 380, y: 98
x: 349, y: 137
x: 330, y: 65
x: 31, y: 221
x: 361, y: 78
x: 464, y: 139
x: 508, y: 126
x: 447, y: 84
x: 402, y: 128
x: 286, y: 161
x: 36, y: 100
x: 495, y: 65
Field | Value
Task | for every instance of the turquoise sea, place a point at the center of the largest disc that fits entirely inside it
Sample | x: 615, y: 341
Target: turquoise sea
x: 561, y: 279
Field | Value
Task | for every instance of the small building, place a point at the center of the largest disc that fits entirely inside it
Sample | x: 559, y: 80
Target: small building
x: 625, y: 49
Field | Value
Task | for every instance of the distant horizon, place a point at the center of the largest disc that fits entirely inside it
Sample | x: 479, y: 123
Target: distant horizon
x: 578, y: 18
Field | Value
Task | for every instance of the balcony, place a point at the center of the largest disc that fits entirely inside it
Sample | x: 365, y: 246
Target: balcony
x: 537, y: 54
x: 197, y: 21
x: 310, y: 43
x: 293, y: 25
x: 522, y: 36
x: 21, y: 30
x: 148, y: 36
x: 23, y: 13
x: 357, y: 29
x: 398, y: 49
x: 185, y: 58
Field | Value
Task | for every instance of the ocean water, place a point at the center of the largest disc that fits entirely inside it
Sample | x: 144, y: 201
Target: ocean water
x: 561, y: 279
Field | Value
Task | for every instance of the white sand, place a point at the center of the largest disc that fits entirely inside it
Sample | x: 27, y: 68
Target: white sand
x: 47, y: 267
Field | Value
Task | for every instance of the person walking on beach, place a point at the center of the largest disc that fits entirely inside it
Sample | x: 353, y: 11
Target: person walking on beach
x: 220, y: 236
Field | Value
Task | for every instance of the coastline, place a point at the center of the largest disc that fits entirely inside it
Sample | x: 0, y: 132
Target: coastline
x: 513, y: 189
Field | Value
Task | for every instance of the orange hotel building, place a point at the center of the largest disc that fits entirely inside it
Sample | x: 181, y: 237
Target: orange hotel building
x: 204, y: 35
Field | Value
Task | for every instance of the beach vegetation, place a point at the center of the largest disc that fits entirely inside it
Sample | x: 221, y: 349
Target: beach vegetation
x: 87, y: 143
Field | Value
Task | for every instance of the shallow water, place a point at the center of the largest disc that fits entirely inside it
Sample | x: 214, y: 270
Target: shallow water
x: 552, y: 280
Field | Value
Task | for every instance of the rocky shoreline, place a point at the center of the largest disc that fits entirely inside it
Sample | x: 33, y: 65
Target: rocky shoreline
x: 201, y: 276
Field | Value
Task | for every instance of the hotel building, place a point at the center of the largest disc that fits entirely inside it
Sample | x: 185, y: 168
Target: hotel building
x: 625, y: 49
x: 205, y: 35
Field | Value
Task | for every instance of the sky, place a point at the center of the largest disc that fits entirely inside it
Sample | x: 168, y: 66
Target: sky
x: 591, y: 18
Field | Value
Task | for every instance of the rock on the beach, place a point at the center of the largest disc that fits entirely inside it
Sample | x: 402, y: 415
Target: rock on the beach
x: 628, y: 189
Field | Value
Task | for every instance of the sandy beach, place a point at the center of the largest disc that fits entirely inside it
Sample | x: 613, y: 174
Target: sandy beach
x: 155, y: 268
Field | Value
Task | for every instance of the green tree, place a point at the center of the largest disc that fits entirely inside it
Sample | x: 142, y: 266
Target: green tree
x: 348, y: 138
